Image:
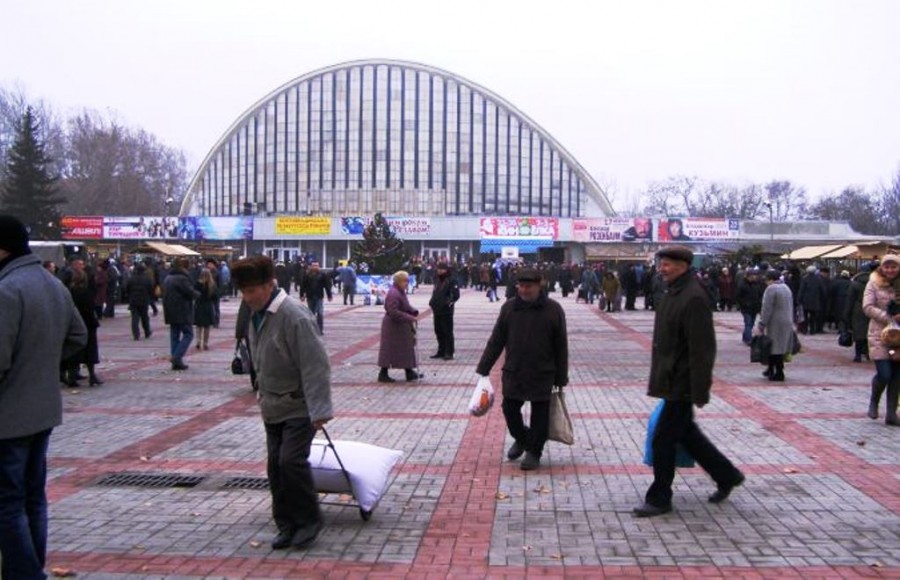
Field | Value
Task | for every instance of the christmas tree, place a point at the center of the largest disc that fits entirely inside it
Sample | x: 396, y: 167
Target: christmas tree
x: 380, y: 248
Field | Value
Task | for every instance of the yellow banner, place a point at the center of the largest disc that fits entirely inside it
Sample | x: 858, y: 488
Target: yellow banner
x: 302, y: 225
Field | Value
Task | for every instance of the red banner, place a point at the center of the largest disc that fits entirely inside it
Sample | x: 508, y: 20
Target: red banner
x: 82, y: 227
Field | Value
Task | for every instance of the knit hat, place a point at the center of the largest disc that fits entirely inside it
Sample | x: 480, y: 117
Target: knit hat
x: 886, y: 258
x: 13, y: 236
x: 677, y: 253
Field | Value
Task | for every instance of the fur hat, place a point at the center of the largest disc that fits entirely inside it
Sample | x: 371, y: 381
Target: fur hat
x: 885, y: 258
x: 528, y: 275
x: 252, y: 271
x: 677, y: 253
x: 13, y: 236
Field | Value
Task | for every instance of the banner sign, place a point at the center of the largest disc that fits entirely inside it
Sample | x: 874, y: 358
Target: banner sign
x: 81, y: 227
x: 377, y: 286
x: 614, y: 229
x: 698, y: 229
x: 140, y: 228
x: 293, y: 225
x: 404, y: 226
x: 353, y: 225
x: 519, y: 227
x: 215, y: 228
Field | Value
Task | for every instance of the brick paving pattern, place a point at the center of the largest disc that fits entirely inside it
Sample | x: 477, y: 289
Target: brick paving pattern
x: 821, y: 497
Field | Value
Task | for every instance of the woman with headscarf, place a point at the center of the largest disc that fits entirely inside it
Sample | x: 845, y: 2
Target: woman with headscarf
x: 881, y: 303
x: 398, y: 332
x: 777, y: 322
x: 83, y: 296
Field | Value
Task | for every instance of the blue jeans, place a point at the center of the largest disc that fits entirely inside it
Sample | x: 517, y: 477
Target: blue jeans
x: 886, y: 370
x: 318, y: 309
x: 749, y: 320
x: 180, y: 337
x: 23, y: 505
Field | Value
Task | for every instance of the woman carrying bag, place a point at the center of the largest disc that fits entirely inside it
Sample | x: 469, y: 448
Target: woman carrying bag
x: 881, y: 303
x: 776, y: 322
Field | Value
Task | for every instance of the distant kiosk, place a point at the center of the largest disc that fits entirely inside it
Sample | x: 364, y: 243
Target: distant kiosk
x: 57, y: 252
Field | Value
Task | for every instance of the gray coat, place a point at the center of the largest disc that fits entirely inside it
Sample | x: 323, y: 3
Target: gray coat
x: 398, y: 334
x: 39, y: 326
x: 293, y: 373
x: 776, y: 318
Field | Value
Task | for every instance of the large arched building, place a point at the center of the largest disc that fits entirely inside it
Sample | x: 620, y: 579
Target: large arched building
x: 395, y: 137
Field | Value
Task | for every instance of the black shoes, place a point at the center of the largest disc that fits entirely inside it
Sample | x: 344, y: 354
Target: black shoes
x: 437, y: 355
x: 282, y: 540
x: 447, y: 357
x: 515, y: 451
x: 724, y: 491
x: 177, y: 365
x: 768, y: 372
x: 777, y: 377
x: 412, y: 375
x: 306, y: 536
x: 530, y: 462
x: 384, y: 377
x: 649, y: 510
x: 95, y: 381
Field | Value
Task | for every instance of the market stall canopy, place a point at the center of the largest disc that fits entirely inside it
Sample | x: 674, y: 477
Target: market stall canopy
x: 811, y: 252
x: 861, y: 251
x: 164, y: 249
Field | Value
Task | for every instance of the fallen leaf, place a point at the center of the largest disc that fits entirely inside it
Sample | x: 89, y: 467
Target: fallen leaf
x: 255, y: 544
x: 501, y: 495
x: 556, y: 556
x: 790, y: 470
x: 542, y: 489
x: 861, y: 443
x: 526, y: 548
x: 875, y: 565
x: 62, y: 573
x: 144, y: 458
x: 196, y: 514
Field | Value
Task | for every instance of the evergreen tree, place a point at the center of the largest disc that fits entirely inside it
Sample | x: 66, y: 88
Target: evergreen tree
x: 380, y: 248
x: 30, y: 191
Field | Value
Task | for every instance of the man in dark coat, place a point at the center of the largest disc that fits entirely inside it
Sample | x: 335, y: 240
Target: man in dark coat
x: 140, y: 292
x: 443, y: 299
x: 630, y: 286
x: 812, y: 297
x: 316, y: 285
x: 856, y: 319
x: 748, y: 296
x: 178, y: 306
x: 681, y: 368
x: 532, y: 329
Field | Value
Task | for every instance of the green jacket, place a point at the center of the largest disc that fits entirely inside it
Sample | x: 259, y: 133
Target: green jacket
x: 684, y: 343
x: 293, y: 373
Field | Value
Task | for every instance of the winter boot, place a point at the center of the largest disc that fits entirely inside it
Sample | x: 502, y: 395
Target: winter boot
x: 384, y: 377
x: 893, y: 398
x: 877, y: 389
x: 412, y: 375
x: 94, y: 379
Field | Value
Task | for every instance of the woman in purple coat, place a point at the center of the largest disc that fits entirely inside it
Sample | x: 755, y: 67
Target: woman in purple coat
x: 398, y: 332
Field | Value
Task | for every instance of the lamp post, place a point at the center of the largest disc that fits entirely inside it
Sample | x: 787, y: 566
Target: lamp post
x: 768, y: 204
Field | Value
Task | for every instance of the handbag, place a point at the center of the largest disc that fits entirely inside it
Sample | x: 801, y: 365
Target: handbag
x: 760, y: 349
x: 845, y: 338
x: 560, y: 423
x: 241, y: 364
x: 682, y: 457
x: 796, y: 347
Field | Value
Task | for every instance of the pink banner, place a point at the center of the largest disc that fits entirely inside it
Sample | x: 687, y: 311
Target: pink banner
x: 82, y: 227
x: 519, y: 227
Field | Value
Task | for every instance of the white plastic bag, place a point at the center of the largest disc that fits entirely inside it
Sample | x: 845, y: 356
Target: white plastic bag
x: 482, y: 397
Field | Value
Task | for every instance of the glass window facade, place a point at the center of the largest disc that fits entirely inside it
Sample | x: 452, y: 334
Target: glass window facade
x: 389, y: 136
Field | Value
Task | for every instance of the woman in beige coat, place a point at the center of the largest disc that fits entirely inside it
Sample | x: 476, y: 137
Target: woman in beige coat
x: 881, y: 304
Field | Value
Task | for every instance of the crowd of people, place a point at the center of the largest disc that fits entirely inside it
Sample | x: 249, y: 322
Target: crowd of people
x: 58, y: 313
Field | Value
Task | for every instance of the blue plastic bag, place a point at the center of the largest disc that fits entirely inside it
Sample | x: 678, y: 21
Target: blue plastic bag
x: 682, y: 457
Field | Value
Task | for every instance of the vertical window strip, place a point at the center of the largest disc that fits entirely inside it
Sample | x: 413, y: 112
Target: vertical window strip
x: 471, y: 151
x: 362, y: 92
x: 458, y: 143
x: 416, y: 144
x: 321, y: 121
x: 256, y: 195
x: 387, y: 124
x: 297, y: 148
x: 402, y: 128
x: 334, y: 139
x: 285, y: 163
x: 508, y: 149
x: 347, y: 135
x: 309, y: 168
x: 274, y: 156
x: 374, y: 126
x: 444, y: 146
x: 541, y: 179
x: 430, y: 132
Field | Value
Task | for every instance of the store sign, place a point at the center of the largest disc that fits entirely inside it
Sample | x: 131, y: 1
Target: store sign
x: 215, y: 228
x: 81, y: 227
x: 519, y: 227
x: 404, y: 226
x: 614, y: 229
x: 300, y: 226
x: 140, y: 228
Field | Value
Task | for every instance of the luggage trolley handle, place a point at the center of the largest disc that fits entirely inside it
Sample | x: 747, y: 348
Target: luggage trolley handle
x: 338, y: 457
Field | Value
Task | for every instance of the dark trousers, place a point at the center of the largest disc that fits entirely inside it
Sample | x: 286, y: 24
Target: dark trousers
x: 749, y: 320
x: 532, y: 437
x: 349, y: 292
x: 443, y: 330
x: 180, y: 337
x: 676, y: 425
x: 295, y: 502
x: 814, y: 322
x: 630, y: 298
x: 140, y: 314
x: 23, y: 506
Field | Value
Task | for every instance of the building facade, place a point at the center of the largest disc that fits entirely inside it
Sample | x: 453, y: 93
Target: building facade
x: 394, y: 137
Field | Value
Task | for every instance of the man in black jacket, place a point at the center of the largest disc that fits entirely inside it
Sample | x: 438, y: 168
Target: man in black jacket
x: 532, y: 329
x: 314, y: 288
x: 178, y: 307
x: 748, y: 296
x: 140, y: 292
x: 443, y: 299
x: 681, y: 368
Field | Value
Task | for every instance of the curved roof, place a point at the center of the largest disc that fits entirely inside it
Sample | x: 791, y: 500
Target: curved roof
x: 593, y: 190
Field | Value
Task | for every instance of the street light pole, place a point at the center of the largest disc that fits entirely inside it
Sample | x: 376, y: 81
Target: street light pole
x: 768, y: 204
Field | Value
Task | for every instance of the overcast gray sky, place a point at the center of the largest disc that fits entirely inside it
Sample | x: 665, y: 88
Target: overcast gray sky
x: 636, y: 91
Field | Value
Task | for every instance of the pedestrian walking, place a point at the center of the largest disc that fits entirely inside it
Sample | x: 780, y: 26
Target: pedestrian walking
x: 316, y: 285
x: 205, y: 315
x: 39, y: 326
x: 531, y: 328
x: 347, y: 281
x: 881, y: 303
x: 293, y: 378
x: 178, y: 309
x: 443, y: 301
x: 140, y: 294
x: 398, y: 332
x: 681, y: 367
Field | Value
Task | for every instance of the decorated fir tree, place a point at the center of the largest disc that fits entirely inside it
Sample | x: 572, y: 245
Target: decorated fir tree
x: 380, y: 248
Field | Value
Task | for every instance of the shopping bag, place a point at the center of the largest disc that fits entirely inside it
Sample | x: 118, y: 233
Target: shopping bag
x: 482, y: 397
x: 760, y: 349
x: 560, y: 422
x: 682, y: 457
x: 845, y: 338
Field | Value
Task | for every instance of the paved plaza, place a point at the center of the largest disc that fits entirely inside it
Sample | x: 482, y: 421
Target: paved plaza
x: 821, y: 497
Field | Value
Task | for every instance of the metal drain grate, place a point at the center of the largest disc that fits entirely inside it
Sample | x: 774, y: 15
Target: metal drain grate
x: 151, y: 479
x: 246, y: 483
